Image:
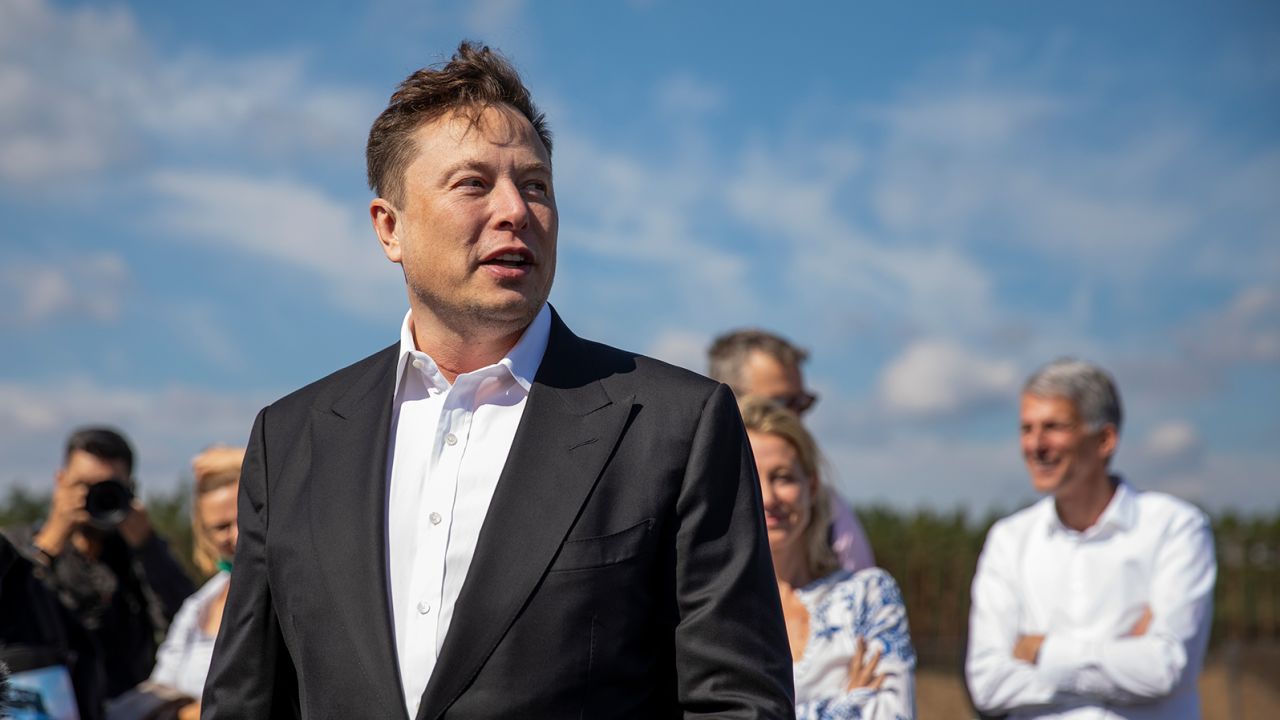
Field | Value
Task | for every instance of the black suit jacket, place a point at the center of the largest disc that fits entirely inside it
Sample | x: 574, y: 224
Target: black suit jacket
x: 621, y: 570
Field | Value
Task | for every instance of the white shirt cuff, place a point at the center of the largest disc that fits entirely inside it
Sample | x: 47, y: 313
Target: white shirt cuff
x: 1062, y: 657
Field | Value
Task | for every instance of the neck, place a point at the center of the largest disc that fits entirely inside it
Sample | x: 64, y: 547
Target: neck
x: 1079, y: 510
x: 457, y: 350
x: 790, y: 568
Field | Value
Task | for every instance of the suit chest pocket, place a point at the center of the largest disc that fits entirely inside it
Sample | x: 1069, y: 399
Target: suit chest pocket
x: 603, y: 551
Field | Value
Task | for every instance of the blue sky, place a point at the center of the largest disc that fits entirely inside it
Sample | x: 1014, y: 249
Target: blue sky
x: 934, y: 198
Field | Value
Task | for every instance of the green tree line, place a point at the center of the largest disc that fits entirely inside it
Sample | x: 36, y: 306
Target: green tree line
x: 933, y: 556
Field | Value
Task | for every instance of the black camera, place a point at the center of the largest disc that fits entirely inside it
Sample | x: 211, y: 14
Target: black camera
x: 108, y: 503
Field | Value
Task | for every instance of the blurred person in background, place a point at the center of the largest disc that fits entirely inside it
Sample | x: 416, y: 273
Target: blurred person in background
x: 1096, y: 601
x: 850, y: 644
x: 44, y: 646
x: 755, y: 362
x: 183, y: 659
x: 97, y: 552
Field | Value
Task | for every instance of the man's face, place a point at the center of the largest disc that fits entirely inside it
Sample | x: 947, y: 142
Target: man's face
x: 476, y: 228
x: 86, y: 470
x: 1061, y: 453
x: 764, y: 375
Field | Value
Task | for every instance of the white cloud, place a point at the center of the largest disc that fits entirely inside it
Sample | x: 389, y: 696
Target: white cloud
x: 494, y: 19
x: 1247, y: 330
x: 934, y: 378
x: 926, y: 471
x: 82, y: 90
x: 1005, y: 168
x: 287, y: 223
x: 681, y: 347
x: 684, y: 95
x: 634, y: 225
x: 33, y: 292
x: 167, y: 425
x: 1173, y: 442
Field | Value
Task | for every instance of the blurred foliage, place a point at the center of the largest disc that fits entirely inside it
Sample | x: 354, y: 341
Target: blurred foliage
x: 170, y: 515
x: 931, y: 554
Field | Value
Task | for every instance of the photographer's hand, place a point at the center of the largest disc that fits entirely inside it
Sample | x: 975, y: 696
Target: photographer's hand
x: 136, y: 526
x: 66, y: 515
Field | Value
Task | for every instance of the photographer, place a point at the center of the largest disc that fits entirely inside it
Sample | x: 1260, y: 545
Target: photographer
x: 98, y: 553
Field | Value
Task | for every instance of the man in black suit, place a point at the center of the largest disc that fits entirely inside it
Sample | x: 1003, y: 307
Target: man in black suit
x: 494, y: 517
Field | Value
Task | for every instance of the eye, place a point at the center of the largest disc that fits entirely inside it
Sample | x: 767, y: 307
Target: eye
x: 538, y: 187
x: 471, y: 182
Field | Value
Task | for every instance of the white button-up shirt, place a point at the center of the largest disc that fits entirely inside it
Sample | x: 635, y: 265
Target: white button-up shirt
x: 1084, y: 591
x: 449, y: 445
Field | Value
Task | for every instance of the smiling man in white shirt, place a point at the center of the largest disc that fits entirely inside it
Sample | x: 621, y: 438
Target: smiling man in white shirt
x: 1096, y: 601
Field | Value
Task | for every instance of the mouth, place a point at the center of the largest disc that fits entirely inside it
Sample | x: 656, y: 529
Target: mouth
x: 512, y: 258
x: 1043, y: 464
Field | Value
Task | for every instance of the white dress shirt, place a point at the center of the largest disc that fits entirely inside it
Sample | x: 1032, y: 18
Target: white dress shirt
x: 449, y: 444
x: 1084, y: 591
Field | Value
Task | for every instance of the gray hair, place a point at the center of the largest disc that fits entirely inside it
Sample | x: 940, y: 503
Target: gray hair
x: 1090, y: 388
x: 729, y: 353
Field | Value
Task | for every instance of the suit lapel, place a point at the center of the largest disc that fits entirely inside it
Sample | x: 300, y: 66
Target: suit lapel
x: 567, y: 433
x: 347, y: 498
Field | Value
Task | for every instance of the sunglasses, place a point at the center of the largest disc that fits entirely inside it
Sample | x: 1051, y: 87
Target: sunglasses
x: 798, y: 403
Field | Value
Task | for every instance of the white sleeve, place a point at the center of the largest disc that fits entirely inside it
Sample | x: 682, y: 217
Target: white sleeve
x: 1140, y: 669
x: 998, y: 682
x: 172, y: 653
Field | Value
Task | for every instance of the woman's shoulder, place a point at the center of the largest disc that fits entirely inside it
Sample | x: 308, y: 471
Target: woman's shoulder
x: 871, y: 583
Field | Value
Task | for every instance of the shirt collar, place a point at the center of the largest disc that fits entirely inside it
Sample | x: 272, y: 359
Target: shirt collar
x: 1121, y: 513
x: 522, y: 360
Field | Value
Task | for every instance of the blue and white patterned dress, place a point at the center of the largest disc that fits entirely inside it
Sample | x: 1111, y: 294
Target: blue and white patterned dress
x: 843, y: 607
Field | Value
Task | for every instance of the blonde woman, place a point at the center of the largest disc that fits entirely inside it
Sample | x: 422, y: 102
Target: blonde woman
x: 850, y: 646
x: 182, y: 661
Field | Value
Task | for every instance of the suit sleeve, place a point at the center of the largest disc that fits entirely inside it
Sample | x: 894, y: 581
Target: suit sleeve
x: 251, y: 675
x: 732, y: 656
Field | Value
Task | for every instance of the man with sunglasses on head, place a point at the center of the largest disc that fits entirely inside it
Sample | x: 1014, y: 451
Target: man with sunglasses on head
x: 97, y: 552
x: 755, y: 362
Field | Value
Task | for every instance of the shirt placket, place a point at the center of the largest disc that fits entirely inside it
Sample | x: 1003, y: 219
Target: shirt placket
x: 455, y: 426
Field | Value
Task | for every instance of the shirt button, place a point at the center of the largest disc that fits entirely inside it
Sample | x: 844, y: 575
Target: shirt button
x: 424, y: 607
x: 417, y: 362
x: 451, y: 439
x: 435, y: 518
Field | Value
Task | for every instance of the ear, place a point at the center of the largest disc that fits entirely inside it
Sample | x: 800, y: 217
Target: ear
x: 1108, y: 440
x: 384, y: 216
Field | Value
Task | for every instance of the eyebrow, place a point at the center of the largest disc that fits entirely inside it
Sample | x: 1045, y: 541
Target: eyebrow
x: 524, y: 168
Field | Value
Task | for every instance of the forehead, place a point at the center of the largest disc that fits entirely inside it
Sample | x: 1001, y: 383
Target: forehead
x: 218, y: 502
x: 443, y: 139
x: 90, y: 466
x: 1057, y: 407
x: 765, y: 375
x: 771, y: 449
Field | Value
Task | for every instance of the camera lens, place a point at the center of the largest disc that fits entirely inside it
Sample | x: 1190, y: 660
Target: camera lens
x: 108, y: 503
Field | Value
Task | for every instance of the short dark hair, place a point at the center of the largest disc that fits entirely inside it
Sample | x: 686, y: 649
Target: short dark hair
x: 103, y: 443
x: 474, y: 79
x: 729, y: 352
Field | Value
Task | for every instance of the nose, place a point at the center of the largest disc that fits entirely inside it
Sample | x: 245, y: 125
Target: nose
x: 235, y: 535
x: 1033, y: 440
x: 766, y: 493
x: 511, y: 210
